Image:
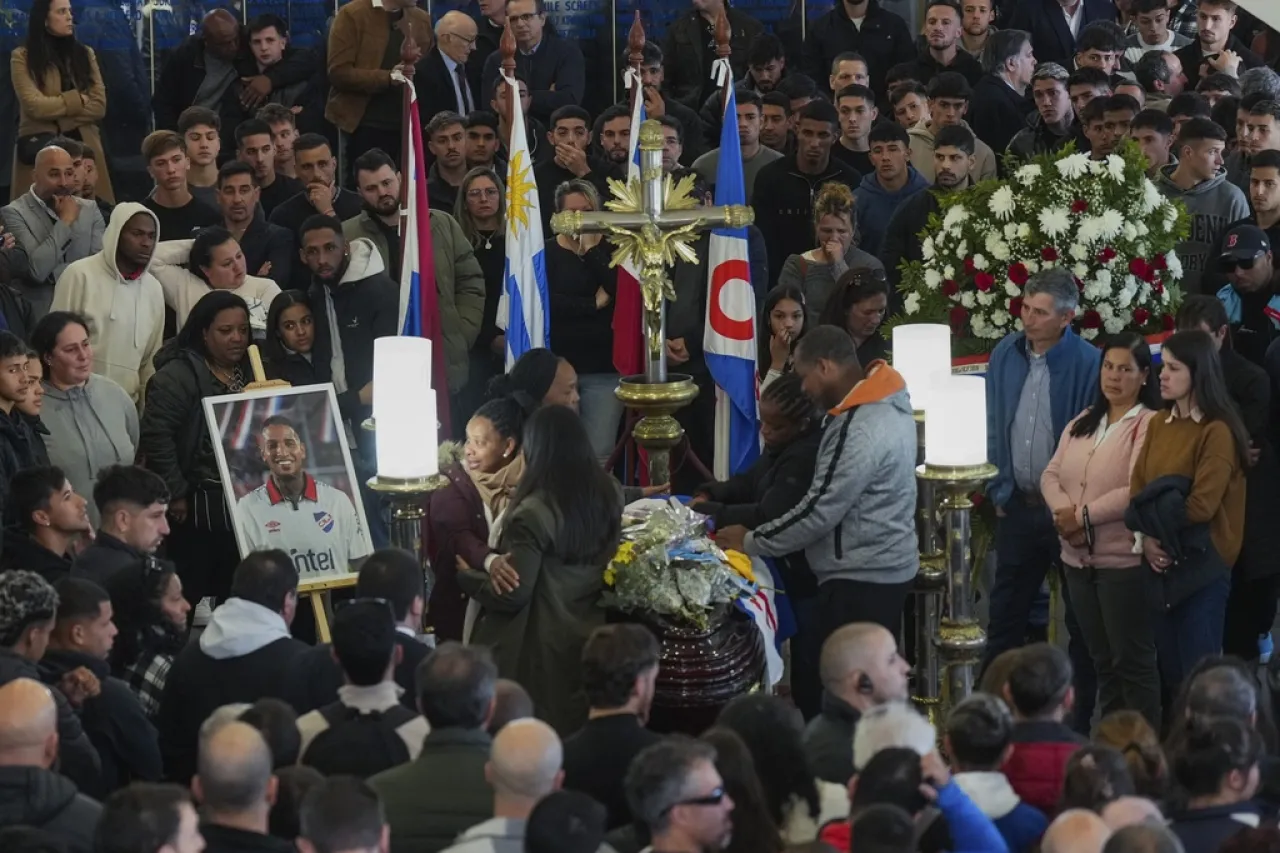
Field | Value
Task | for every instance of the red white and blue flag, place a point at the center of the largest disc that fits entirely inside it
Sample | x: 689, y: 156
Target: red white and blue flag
x: 628, y: 304
x: 729, y: 343
x: 419, y: 307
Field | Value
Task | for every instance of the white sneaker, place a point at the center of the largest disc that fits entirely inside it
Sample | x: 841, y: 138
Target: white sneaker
x: 204, y: 612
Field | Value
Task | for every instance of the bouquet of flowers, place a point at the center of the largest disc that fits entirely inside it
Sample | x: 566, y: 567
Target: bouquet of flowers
x: 667, y: 564
x: 1103, y: 220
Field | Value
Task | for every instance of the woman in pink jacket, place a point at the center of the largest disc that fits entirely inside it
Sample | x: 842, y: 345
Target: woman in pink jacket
x: 1086, y: 487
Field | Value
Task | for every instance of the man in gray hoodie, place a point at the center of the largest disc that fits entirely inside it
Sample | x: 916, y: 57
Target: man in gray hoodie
x: 856, y: 524
x: 1200, y: 182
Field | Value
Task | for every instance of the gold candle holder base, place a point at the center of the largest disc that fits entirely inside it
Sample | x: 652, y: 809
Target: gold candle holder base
x: 657, y: 431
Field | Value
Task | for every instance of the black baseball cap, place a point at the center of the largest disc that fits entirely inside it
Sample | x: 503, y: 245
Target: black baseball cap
x: 1244, y: 243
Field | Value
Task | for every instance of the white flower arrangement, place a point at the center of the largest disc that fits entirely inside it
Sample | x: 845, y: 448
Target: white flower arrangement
x: 1104, y: 221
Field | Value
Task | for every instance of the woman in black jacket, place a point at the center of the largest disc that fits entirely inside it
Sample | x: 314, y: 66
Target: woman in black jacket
x: 291, y: 339
x: 205, y: 360
x: 767, y: 490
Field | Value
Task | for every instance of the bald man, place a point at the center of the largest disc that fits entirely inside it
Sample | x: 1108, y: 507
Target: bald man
x: 1075, y: 831
x: 524, y: 766
x: 200, y: 70
x: 860, y: 668
x: 51, y: 226
x: 1150, y: 836
x: 1127, y: 811
x: 452, y: 83
x: 236, y: 790
x: 31, y: 794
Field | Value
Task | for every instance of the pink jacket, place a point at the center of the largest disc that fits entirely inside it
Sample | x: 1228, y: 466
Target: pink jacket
x: 1081, y: 475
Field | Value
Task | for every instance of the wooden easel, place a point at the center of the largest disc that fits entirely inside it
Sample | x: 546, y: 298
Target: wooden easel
x: 318, y: 591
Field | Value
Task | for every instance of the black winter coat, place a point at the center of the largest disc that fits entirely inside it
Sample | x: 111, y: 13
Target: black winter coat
x: 684, y: 52
x: 108, y: 555
x: 783, y: 204
x: 39, y: 798
x: 1038, y: 138
x: 19, y: 448
x: 1250, y: 389
x: 77, y: 759
x: 23, y: 552
x: 884, y: 41
x: 997, y: 113
x: 1160, y: 510
x: 902, y: 238
x: 370, y: 309
x: 768, y: 490
x: 117, y: 726
x: 828, y: 740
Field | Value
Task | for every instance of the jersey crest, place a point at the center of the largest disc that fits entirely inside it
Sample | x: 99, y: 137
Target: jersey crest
x: 324, y: 521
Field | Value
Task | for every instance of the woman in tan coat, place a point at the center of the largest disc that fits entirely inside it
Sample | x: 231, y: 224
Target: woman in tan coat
x: 60, y: 92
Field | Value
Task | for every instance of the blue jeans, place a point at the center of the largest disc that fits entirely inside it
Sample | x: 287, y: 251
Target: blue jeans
x: 601, y: 411
x: 1189, y: 631
x: 1026, y: 546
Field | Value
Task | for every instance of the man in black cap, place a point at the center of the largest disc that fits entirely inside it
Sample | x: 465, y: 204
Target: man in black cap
x: 1251, y: 298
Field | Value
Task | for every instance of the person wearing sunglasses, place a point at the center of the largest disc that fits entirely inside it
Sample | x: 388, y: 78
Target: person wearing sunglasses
x: 677, y: 794
x: 1250, y: 297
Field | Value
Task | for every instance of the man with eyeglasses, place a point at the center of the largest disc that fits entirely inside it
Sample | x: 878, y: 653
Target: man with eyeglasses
x: 451, y: 83
x: 314, y: 522
x: 676, y: 793
x: 553, y: 66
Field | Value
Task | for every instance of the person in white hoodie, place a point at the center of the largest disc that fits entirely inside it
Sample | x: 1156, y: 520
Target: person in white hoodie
x: 979, y: 737
x: 188, y: 269
x: 242, y: 656
x: 116, y: 291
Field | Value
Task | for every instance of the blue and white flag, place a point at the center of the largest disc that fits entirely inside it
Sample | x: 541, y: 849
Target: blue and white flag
x: 524, y: 312
x: 729, y: 342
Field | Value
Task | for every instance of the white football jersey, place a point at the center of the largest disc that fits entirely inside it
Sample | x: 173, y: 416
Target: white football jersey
x: 321, y: 532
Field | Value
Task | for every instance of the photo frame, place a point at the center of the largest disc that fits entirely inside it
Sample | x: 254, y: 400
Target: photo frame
x: 289, y: 479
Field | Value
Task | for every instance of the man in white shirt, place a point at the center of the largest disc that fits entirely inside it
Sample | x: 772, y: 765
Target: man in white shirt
x: 315, y: 523
x: 1153, y: 33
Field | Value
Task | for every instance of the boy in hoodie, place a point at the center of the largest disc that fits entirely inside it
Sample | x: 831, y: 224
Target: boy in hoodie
x: 949, y: 95
x: 115, y: 289
x: 243, y: 656
x: 894, y: 181
x: 1199, y: 181
x: 1040, y: 692
x: 979, y: 738
x: 855, y: 523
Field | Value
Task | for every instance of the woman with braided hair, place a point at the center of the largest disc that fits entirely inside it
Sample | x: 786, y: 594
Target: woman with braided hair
x: 483, y: 474
x: 790, y: 425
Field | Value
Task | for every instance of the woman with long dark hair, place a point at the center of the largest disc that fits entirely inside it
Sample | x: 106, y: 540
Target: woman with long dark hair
x: 150, y: 615
x: 483, y: 474
x: 859, y: 306
x: 753, y: 829
x: 561, y: 528
x: 291, y: 336
x: 782, y: 325
x: 207, y: 359
x: 1086, y: 487
x: 60, y: 93
x: 1200, y: 439
x: 212, y: 260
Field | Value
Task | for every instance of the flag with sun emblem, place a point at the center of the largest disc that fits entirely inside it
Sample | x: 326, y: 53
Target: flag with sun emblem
x: 524, y: 312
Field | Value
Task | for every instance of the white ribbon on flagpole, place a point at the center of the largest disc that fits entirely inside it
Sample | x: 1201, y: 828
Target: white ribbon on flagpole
x: 630, y: 78
x: 721, y: 72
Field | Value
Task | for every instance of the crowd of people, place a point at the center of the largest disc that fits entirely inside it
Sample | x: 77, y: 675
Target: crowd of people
x: 153, y: 694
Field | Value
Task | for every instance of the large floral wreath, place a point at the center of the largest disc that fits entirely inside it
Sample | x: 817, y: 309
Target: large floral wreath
x: 1103, y: 220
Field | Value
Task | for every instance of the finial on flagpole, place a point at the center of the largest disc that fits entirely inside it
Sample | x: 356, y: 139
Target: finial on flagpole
x: 507, y: 45
x: 723, y: 33
x: 635, y: 43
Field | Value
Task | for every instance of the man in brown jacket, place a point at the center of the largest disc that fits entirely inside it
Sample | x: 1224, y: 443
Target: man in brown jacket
x: 367, y: 43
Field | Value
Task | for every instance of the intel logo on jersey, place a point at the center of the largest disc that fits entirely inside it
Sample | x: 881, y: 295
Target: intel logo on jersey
x: 324, y: 521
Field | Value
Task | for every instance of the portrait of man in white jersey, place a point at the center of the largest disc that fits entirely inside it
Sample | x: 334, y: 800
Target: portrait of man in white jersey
x: 290, y: 479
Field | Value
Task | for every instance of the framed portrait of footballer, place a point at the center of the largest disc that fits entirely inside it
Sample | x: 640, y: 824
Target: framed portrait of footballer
x: 289, y: 480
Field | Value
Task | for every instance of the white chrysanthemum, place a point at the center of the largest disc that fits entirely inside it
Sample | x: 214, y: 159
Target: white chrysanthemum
x: 1089, y: 334
x: 1110, y: 223
x: 1080, y: 271
x: 980, y: 261
x: 955, y: 216
x: 1125, y: 297
x: 1142, y: 228
x: 1033, y: 267
x: 932, y: 278
x: 1011, y: 288
x: 1151, y: 197
x: 1001, y: 203
x: 1090, y: 230
x: 926, y: 249
x: 1174, y: 265
x: 1113, y: 325
x: 1115, y: 167
x: 1000, y: 318
x: 948, y: 271
x: 978, y: 322
x: 1103, y: 278
x: 1055, y: 220
x: 987, y: 298
x: 1027, y: 174
x: 1105, y: 310
x: 967, y: 300
x: 1130, y: 231
x: 911, y: 304
x: 1092, y: 292
x: 1000, y: 251
x: 1024, y: 230
x: 1011, y: 231
x: 1074, y: 166
x: 1078, y: 252
x: 962, y: 249
x: 1170, y: 216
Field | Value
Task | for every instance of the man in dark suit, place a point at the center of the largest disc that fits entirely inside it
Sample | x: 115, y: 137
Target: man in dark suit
x: 394, y: 576
x: 1055, y: 24
x: 999, y: 107
x: 448, y: 82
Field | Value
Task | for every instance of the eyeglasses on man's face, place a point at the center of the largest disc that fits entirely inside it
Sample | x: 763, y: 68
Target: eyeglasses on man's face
x: 715, y: 798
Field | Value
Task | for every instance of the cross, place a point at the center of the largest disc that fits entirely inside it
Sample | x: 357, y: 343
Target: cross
x: 652, y: 221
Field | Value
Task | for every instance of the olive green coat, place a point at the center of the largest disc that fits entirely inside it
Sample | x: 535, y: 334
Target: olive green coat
x: 537, y: 630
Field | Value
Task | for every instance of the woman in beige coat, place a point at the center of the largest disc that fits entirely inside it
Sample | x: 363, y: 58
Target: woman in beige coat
x: 60, y: 92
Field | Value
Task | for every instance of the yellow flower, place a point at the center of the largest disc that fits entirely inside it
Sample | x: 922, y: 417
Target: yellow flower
x: 741, y: 564
x: 610, y: 575
x: 625, y: 553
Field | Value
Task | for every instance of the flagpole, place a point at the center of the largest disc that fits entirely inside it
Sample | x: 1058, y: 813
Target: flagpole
x: 410, y: 53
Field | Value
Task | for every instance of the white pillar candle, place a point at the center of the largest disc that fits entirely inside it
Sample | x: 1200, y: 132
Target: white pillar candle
x: 404, y: 408
x: 922, y: 355
x: 955, y: 424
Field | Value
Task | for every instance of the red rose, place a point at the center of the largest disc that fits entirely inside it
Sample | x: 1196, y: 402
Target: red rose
x: 1018, y: 274
x: 1048, y: 253
x: 959, y: 316
x: 1167, y: 322
x: 1079, y: 206
x: 1015, y: 306
x: 1159, y: 263
x: 1138, y: 267
x: 1157, y: 285
x: 950, y: 288
x: 1106, y: 254
x: 984, y: 281
x: 969, y: 267
x: 1091, y: 320
x: 1141, y: 316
